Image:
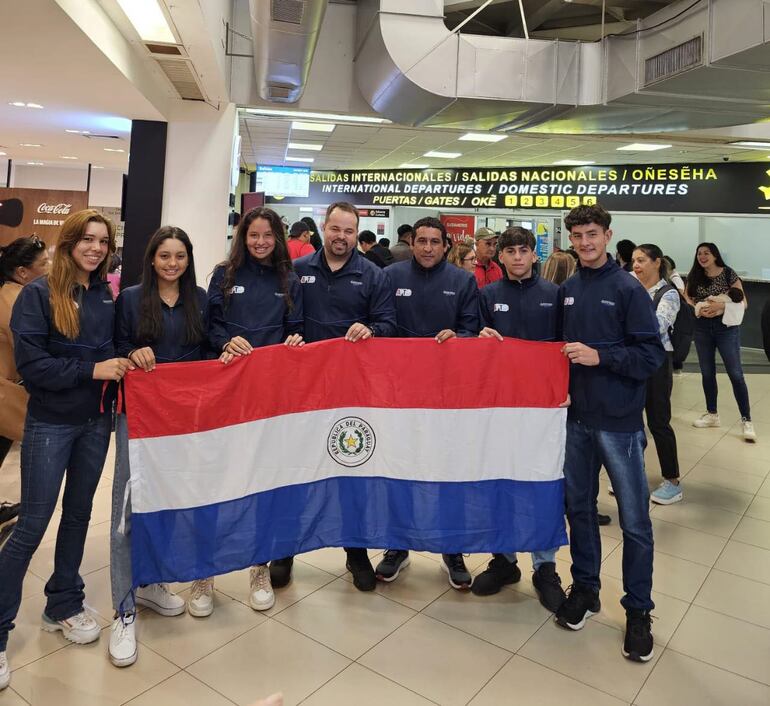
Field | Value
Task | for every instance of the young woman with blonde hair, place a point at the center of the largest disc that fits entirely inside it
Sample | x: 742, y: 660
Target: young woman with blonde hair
x: 62, y: 327
x: 559, y: 267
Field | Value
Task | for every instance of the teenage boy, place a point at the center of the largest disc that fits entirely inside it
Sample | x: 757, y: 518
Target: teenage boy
x: 522, y: 306
x: 434, y: 299
x: 613, y: 345
x: 347, y: 296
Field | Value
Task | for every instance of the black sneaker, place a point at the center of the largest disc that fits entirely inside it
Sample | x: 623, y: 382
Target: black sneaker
x: 392, y: 563
x: 603, y: 519
x: 280, y: 571
x: 459, y: 576
x: 548, y: 586
x: 8, y: 512
x: 582, y: 602
x: 359, y: 565
x: 499, y: 572
x: 637, y: 645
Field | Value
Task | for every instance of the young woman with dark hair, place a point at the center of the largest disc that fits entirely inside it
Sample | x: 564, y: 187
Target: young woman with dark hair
x: 163, y: 319
x: 62, y: 326
x: 21, y: 261
x: 653, y: 271
x: 255, y: 300
x: 315, y: 238
x: 711, y: 277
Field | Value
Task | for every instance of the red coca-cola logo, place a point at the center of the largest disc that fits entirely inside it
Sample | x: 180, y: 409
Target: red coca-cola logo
x: 59, y: 208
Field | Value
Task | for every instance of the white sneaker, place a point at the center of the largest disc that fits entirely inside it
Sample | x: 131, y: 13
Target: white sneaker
x: 80, y: 629
x: 707, y: 420
x: 262, y: 596
x: 158, y: 597
x: 201, y: 601
x: 5, y: 671
x: 748, y: 430
x: 123, y: 641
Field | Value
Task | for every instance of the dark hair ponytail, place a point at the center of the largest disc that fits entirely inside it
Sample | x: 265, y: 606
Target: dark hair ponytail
x: 150, y: 326
x: 22, y: 252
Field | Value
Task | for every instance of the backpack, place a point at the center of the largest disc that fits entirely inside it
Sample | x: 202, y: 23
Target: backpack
x: 682, y: 331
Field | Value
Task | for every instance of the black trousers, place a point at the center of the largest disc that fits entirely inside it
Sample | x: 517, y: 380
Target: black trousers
x: 658, y: 409
x: 5, y: 447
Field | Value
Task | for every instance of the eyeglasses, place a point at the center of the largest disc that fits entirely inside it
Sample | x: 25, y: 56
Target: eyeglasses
x: 471, y: 258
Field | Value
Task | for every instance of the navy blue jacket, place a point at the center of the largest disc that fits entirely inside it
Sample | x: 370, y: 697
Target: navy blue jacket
x: 58, y: 372
x: 358, y: 292
x: 170, y: 347
x: 527, y: 309
x: 431, y: 300
x: 256, y: 309
x: 607, y: 309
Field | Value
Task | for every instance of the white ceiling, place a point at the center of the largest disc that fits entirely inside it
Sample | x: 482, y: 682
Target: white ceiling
x: 46, y: 59
x: 265, y: 140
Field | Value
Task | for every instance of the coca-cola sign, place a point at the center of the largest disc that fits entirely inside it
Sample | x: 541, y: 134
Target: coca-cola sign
x: 38, y: 211
x: 60, y: 208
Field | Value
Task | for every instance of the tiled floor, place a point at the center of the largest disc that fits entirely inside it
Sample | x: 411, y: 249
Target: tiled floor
x: 418, y: 642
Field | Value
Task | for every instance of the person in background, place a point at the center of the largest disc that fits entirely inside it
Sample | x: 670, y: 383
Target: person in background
x: 443, y: 304
x: 683, y: 350
x: 254, y: 300
x: 487, y: 271
x: 62, y: 328
x: 710, y: 276
x: 299, y: 240
x: 163, y: 319
x: 21, y: 262
x: 613, y: 346
x: 113, y: 275
x: 385, y: 242
x: 315, y: 238
x: 402, y: 250
x: 521, y: 305
x: 558, y: 267
x: 651, y: 269
x: 372, y: 250
x: 463, y: 255
x: 625, y: 252
x: 345, y: 297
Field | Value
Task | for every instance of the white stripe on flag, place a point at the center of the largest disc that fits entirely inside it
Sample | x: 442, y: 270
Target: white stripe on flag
x: 191, y: 470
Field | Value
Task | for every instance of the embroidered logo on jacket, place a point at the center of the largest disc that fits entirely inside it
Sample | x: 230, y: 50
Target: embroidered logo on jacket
x: 307, y: 279
x: 501, y: 307
x: 237, y: 289
x: 403, y: 292
x: 607, y: 302
x: 569, y: 301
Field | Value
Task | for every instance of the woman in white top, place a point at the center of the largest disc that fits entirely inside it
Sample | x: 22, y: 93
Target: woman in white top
x: 652, y: 271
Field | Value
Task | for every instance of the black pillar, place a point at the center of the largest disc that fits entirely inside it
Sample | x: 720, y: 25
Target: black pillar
x: 144, y: 194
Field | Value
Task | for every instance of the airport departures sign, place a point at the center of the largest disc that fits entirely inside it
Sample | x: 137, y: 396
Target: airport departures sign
x: 670, y: 188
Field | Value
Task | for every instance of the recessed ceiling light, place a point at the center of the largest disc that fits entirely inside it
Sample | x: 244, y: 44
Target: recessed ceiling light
x: 21, y: 104
x: 64, y: 156
x: 148, y: 20
x: 750, y: 143
x: 93, y: 166
x: 29, y: 144
x: 312, y: 127
x: 642, y: 147
x: 35, y: 105
x: 309, y: 160
x: 2, y: 154
x: 481, y: 137
x: 305, y: 146
x: 443, y: 155
x: 35, y: 164
x: 316, y: 116
x: 407, y: 165
x: 572, y: 163
x: 113, y: 149
x: 78, y: 132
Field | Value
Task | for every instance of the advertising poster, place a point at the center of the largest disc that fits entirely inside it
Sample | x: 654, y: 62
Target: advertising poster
x: 37, y: 211
x: 458, y: 227
x: 376, y: 220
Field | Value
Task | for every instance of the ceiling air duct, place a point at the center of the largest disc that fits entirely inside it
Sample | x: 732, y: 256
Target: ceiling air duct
x: 285, y: 34
x: 690, y: 65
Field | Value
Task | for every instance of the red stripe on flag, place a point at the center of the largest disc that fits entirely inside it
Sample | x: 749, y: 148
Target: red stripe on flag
x: 394, y: 373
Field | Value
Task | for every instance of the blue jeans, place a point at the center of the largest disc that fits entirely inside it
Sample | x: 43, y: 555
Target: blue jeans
x: 711, y: 335
x: 622, y: 454
x: 538, y: 558
x: 47, y: 452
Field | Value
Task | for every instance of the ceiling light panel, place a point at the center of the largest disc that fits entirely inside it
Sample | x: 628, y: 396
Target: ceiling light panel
x: 407, y: 165
x: 482, y: 137
x: 305, y: 146
x: 572, y: 163
x: 313, y: 127
x: 443, y: 155
x: 316, y: 116
x: 148, y: 20
x: 643, y: 147
x: 308, y: 160
x: 751, y: 143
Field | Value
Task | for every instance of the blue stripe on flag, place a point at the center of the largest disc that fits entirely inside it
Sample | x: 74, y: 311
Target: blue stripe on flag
x: 441, y: 517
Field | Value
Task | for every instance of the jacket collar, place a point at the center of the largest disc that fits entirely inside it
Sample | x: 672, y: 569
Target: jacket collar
x: 354, y: 265
x: 417, y: 267
x: 591, y: 273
